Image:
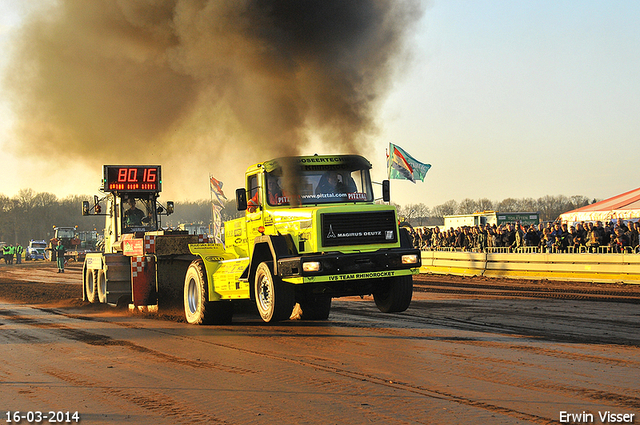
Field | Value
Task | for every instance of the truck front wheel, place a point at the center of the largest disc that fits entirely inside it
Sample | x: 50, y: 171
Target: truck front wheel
x: 274, y: 298
x: 394, y: 294
x: 198, y: 310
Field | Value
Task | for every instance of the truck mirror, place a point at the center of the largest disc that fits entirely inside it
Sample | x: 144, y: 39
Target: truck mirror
x: 241, y: 199
x: 169, y: 207
x: 85, y: 207
x: 386, y: 194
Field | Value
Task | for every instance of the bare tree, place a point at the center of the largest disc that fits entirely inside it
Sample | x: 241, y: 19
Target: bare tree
x: 578, y: 201
x: 508, y: 205
x: 448, y: 208
x: 546, y: 207
x: 528, y: 205
x: 416, y: 213
x: 5, y: 207
x: 468, y: 206
x: 485, y: 204
x: 407, y: 212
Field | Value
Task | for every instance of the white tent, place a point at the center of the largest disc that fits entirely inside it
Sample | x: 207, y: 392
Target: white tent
x: 621, y: 207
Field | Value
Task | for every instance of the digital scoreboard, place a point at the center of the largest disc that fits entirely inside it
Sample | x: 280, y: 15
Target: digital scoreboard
x: 132, y: 178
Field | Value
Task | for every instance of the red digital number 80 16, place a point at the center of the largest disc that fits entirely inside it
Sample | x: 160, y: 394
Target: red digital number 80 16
x: 130, y: 175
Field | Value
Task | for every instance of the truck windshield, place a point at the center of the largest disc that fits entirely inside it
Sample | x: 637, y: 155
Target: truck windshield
x: 66, y: 233
x: 138, y: 214
x: 322, y: 186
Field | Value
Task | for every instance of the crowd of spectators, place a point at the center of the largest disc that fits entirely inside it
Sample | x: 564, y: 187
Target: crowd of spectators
x: 549, y: 237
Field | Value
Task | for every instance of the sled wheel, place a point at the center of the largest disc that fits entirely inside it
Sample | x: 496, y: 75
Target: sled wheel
x: 101, y: 285
x: 90, y: 286
x: 198, y: 310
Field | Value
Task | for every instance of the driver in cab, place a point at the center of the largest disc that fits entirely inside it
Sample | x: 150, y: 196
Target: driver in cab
x: 274, y: 191
x: 330, y: 184
x: 133, y: 216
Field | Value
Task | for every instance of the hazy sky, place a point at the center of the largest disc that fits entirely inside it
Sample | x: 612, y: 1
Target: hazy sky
x: 503, y: 99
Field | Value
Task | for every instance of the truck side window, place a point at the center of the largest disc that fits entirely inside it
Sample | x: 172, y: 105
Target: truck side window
x: 254, y: 194
x: 274, y: 190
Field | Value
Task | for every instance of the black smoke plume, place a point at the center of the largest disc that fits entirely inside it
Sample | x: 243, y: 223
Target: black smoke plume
x: 196, y: 84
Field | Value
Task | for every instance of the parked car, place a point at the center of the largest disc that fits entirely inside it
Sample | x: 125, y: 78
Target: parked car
x: 35, y: 250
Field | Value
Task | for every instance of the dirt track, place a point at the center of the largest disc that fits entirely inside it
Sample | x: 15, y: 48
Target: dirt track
x: 463, y: 358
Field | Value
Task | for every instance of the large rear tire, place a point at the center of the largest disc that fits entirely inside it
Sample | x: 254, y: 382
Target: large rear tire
x: 198, y: 310
x: 90, y: 289
x: 394, y: 294
x: 274, y: 298
x: 101, y: 286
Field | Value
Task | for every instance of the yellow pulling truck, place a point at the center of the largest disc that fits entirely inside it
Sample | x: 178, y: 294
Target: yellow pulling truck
x: 311, y: 232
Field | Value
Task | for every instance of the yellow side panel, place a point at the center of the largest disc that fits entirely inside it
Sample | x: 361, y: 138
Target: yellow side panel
x: 211, y: 252
x: 225, y: 280
x: 223, y: 271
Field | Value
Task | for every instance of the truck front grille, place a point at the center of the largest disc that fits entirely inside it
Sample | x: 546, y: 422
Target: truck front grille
x: 361, y: 228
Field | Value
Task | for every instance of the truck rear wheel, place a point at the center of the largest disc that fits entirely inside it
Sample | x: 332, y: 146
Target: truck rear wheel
x: 101, y: 285
x: 312, y: 308
x: 90, y: 290
x: 274, y: 298
x: 198, y: 310
x: 394, y: 294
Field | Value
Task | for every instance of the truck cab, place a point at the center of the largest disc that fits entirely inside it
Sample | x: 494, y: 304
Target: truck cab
x: 128, y: 214
x: 300, y: 204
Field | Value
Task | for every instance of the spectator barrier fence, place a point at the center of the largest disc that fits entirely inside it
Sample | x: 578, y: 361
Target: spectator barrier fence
x: 598, y: 267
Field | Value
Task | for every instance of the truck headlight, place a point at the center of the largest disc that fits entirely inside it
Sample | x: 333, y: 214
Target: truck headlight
x: 311, y: 266
x: 409, y: 259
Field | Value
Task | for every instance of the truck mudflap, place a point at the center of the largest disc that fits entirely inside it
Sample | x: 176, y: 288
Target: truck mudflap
x: 335, y: 267
x: 143, y: 280
x: 223, y: 271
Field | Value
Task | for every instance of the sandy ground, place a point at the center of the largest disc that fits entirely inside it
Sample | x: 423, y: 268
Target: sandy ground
x: 38, y: 282
x: 451, y: 358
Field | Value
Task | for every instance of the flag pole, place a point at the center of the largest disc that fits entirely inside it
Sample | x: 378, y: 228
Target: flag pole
x: 386, y: 151
x: 212, y: 213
